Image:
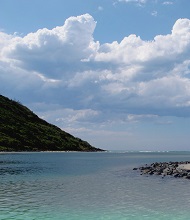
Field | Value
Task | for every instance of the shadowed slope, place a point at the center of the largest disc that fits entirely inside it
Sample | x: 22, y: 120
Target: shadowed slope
x: 22, y: 130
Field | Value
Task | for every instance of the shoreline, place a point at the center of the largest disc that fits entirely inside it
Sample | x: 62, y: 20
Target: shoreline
x: 20, y: 152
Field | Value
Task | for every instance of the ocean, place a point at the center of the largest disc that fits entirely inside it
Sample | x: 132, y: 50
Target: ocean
x: 90, y: 186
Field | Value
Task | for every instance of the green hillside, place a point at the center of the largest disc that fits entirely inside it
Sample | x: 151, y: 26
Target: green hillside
x: 22, y: 130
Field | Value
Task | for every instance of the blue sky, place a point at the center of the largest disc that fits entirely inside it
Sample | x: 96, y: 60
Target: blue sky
x: 114, y: 73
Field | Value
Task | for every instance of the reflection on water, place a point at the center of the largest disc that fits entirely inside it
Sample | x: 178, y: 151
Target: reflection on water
x: 8, y: 167
x: 17, y: 171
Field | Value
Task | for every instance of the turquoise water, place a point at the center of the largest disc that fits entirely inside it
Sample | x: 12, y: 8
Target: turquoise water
x: 89, y: 186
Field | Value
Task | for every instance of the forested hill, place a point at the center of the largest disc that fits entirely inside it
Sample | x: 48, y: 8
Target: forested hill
x: 22, y: 130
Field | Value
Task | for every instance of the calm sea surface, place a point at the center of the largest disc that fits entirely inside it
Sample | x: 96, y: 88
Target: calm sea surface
x: 90, y: 186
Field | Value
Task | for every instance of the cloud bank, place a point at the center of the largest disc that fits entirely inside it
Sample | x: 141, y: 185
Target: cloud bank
x: 65, y: 72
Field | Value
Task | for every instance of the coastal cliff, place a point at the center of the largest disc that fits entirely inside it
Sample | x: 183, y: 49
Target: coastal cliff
x: 22, y: 130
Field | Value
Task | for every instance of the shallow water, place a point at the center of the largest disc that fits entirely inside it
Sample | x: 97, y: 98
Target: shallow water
x: 89, y: 186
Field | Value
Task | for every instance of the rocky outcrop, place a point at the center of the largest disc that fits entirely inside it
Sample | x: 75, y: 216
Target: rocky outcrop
x: 174, y: 169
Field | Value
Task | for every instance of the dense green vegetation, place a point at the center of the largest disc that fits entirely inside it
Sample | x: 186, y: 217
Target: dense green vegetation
x: 22, y: 130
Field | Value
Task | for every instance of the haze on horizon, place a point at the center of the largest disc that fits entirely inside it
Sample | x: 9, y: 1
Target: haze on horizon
x: 115, y: 73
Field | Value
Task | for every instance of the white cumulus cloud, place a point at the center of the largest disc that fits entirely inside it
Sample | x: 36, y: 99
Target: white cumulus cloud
x: 97, y: 82
x: 51, y: 52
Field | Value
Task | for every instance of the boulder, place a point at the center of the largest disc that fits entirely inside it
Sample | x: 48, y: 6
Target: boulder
x: 166, y: 169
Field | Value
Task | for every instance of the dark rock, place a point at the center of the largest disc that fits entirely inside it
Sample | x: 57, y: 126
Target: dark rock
x: 176, y: 175
x: 165, y: 169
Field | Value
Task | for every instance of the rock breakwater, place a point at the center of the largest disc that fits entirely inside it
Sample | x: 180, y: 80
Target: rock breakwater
x: 175, y: 169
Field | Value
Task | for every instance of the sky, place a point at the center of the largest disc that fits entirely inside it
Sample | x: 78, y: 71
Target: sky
x: 115, y: 73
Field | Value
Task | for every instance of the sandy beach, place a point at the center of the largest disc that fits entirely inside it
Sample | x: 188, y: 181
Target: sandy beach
x: 184, y: 166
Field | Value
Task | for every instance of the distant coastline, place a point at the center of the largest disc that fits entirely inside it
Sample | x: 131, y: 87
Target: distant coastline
x: 23, y: 152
